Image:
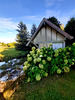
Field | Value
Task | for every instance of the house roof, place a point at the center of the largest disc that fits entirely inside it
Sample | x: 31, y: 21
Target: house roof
x: 45, y: 21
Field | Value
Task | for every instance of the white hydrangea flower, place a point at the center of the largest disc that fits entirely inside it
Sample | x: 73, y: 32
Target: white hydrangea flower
x: 28, y: 55
x: 38, y: 77
x: 35, y: 60
x: 33, y: 48
x: 38, y: 59
x: 49, y: 58
x: 26, y: 62
x: 58, y: 71
x: 43, y: 61
x: 32, y: 52
x: 41, y: 66
x: 25, y: 68
x: 28, y: 65
x: 65, y: 61
x: 46, y: 74
x: 38, y: 51
x: 36, y: 55
x: 29, y: 59
x: 41, y: 56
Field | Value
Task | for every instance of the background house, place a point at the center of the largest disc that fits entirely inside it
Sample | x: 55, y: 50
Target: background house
x: 47, y: 33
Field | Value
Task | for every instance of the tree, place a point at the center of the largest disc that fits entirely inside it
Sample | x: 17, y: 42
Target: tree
x: 11, y: 44
x: 22, y: 37
x: 3, y: 44
x: 70, y: 29
x: 33, y: 29
x: 54, y: 21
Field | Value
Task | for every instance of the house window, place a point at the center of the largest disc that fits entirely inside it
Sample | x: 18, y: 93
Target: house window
x: 57, y: 45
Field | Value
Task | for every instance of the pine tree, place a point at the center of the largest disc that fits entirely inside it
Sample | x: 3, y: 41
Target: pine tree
x: 22, y: 37
x: 33, y: 29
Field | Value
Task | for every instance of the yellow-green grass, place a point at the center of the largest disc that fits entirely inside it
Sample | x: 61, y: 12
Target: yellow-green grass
x: 54, y: 87
x: 7, y: 53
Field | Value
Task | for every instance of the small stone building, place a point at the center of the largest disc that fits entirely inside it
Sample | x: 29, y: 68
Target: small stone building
x: 47, y: 33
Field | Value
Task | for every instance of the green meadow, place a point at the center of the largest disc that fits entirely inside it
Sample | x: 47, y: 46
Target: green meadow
x: 7, y: 53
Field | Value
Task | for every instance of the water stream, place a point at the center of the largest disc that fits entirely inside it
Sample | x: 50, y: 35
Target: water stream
x: 11, y: 72
x: 2, y: 63
x: 1, y: 71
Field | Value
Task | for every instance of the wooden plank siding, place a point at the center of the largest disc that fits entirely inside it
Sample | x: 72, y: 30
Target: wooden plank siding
x: 48, y: 35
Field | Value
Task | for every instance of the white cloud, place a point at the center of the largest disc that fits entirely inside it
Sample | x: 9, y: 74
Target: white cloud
x: 50, y: 13
x: 32, y: 17
x: 66, y: 16
x: 7, y: 30
x: 7, y: 23
x: 7, y: 40
x: 49, y: 2
x: 62, y: 18
x: 52, y: 2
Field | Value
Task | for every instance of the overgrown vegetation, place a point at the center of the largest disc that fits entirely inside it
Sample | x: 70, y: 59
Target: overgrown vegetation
x: 42, y: 62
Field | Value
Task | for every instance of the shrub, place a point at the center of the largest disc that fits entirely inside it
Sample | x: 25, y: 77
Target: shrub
x: 42, y: 62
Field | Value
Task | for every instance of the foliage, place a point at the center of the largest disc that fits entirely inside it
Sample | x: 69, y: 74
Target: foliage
x: 70, y: 29
x: 7, y: 44
x: 42, y: 62
x: 54, y: 21
x: 62, y: 26
x: 11, y: 44
x: 33, y: 29
x: 22, y: 37
x: 2, y: 44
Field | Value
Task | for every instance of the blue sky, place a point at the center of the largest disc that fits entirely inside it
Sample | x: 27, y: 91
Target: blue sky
x: 31, y: 11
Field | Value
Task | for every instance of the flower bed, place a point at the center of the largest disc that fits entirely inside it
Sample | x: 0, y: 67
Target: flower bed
x: 42, y: 62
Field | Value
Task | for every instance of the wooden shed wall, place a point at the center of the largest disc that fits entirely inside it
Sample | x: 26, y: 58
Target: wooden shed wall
x: 47, y: 35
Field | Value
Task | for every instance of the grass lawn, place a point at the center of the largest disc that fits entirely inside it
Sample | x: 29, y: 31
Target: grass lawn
x: 7, y: 53
x: 54, y: 87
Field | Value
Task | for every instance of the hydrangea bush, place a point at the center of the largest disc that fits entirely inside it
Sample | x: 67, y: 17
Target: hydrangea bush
x: 42, y: 62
